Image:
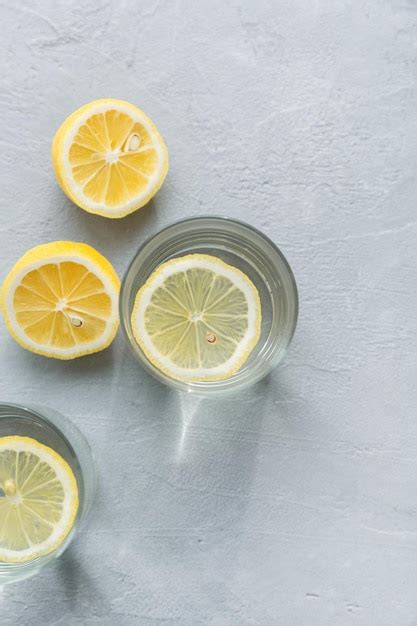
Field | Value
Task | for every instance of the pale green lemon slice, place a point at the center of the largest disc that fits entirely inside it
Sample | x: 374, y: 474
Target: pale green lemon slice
x: 38, y: 499
x: 197, y: 318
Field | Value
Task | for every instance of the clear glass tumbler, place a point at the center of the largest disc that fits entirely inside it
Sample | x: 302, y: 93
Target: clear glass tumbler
x: 239, y: 245
x: 57, y: 432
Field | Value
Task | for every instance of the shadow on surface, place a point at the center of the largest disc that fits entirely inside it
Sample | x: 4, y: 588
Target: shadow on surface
x: 226, y: 431
x: 146, y: 399
x: 78, y: 587
x: 99, y: 363
x: 98, y: 229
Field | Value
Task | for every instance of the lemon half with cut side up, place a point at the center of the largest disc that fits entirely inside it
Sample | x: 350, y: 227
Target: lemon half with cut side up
x: 197, y: 318
x: 61, y: 300
x: 38, y: 499
x: 109, y: 158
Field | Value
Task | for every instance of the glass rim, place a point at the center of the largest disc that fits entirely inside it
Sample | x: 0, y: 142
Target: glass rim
x: 59, y: 422
x: 230, y: 220
x: 49, y: 415
x: 33, y: 410
x: 228, y: 385
x: 28, y: 408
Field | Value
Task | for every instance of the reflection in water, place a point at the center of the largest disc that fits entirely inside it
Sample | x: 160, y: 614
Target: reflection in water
x: 189, y: 406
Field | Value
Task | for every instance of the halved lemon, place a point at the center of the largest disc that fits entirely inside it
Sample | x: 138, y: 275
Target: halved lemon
x: 197, y: 318
x: 109, y: 158
x: 38, y: 499
x: 61, y: 300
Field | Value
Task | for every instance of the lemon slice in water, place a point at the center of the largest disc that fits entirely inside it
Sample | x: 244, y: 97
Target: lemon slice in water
x: 197, y: 318
x: 38, y: 499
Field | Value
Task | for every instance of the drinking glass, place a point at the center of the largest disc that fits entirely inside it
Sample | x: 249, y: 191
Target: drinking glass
x: 58, y: 433
x: 244, y: 247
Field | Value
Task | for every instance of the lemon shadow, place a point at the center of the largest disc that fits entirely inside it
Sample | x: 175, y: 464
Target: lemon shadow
x: 99, y: 363
x: 79, y: 588
x: 97, y: 231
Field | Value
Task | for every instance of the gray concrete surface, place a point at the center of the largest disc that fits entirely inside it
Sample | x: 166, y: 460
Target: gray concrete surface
x: 294, y: 503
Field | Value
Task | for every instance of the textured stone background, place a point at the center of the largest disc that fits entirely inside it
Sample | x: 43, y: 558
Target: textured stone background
x: 294, y: 503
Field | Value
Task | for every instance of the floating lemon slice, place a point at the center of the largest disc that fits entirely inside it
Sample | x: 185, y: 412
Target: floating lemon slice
x: 109, y: 158
x: 197, y: 318
x: 61, y: 300
x: 38, y: 499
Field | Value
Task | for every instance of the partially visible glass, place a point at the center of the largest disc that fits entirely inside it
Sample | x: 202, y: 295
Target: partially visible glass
x: 254, y: 254
x: 57, y: 432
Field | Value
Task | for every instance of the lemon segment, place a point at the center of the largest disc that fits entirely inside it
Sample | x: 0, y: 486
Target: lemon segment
x: 197, y: 318
x: 109, y: 158
x: 38, y: 499
x: 61, y: 300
